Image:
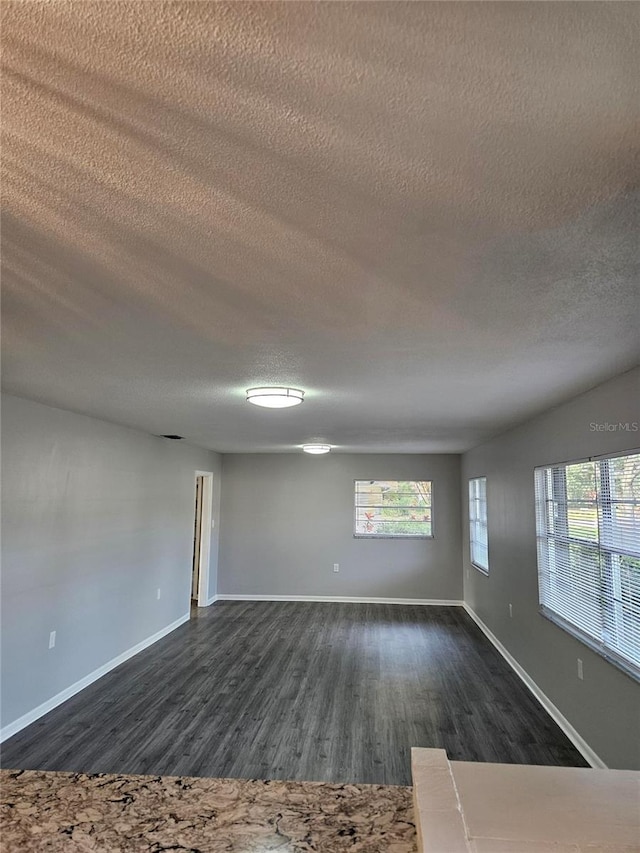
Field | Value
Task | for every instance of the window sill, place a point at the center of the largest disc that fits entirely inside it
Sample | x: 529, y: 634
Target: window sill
x: 628, y: 668
x: 391, y: 536
x: 480, y: 569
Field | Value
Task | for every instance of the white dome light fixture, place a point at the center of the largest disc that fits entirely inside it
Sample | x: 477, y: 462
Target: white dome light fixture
x: 316, y: 449
x: 275, y: 398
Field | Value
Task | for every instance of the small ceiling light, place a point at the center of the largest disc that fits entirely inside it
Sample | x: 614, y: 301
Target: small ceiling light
x: 316, y: 449
x: 275, y: 398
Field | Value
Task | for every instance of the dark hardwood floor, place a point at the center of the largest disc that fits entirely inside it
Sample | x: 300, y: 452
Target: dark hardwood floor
x: 300, y: 691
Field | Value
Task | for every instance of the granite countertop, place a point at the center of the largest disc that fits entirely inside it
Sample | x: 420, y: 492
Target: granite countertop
x: 50, y: 811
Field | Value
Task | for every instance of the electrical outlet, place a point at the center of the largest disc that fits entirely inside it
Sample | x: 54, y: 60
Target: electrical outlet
x: 52, y: 639
x: 580, y: 672
x: 336, y: 567
x: 158, y: 593
x: 511, y: 610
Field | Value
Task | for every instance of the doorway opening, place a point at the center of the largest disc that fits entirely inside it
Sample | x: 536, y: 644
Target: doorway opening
x: 202, y: 524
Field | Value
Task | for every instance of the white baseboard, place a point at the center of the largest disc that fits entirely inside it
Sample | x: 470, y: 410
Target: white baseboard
x: 347, y: 599
x: 31, y: 716
x: 576, y: 739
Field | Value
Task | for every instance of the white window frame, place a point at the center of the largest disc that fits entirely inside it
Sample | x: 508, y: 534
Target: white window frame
x: 373, y: 507
x: 478, y: 522
x: 598, y: 617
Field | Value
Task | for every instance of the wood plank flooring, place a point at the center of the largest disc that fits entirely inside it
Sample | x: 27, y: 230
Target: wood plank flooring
x: 300, y: 691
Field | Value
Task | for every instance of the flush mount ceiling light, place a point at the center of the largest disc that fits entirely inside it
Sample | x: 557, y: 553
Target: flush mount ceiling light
x: 275, y: 398
x: 316, y: 449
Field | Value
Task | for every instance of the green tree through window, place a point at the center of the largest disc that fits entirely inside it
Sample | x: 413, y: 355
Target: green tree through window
x: 393, y: 508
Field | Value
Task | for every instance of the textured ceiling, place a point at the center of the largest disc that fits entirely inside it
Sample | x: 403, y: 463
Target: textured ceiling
x: 424, y: 214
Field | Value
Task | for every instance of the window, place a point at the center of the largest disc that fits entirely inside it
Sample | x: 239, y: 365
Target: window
x: 393, y: 508
x: 588, y: 527
x: 478, y: 540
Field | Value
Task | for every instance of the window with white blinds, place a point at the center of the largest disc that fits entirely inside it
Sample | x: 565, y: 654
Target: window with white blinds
x: 393, y: 509
x: 478, y: 538
x: 588, y: 532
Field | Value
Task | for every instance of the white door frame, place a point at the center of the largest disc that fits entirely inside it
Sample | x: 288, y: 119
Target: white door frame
x: 205, y: 535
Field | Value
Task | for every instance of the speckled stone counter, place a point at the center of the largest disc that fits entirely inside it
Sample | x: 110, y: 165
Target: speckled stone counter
x: 44, y: 811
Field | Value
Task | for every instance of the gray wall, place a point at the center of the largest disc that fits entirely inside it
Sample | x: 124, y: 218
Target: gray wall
x: 605, y: 707
x: 287, y: 518
x: 96, y: 517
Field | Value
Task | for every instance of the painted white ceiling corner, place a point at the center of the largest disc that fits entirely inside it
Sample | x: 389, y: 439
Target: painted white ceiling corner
x: 423, y: 214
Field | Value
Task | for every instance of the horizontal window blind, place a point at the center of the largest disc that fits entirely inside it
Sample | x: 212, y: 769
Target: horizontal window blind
x: 588, y: 537
x: 478, y: 537
x: 393, y: 508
